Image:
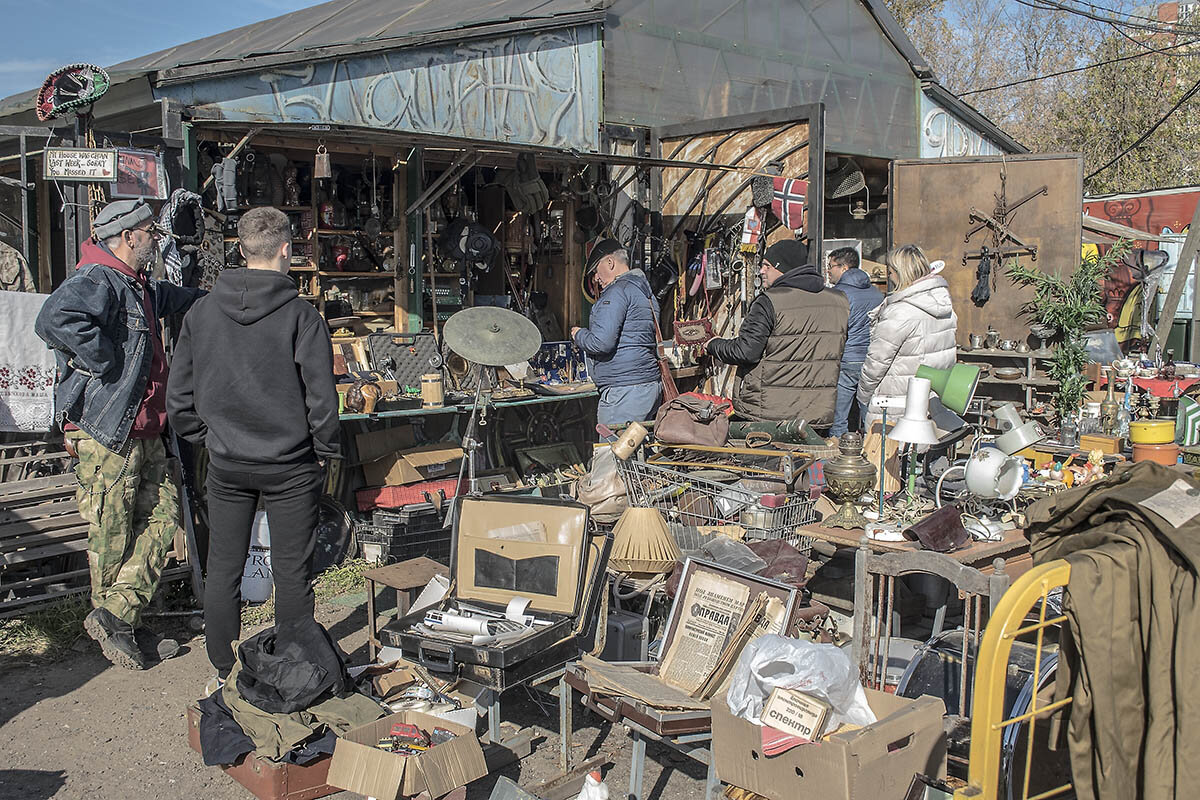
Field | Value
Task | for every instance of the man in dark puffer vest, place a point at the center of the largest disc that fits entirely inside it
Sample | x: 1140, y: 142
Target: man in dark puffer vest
x: 789, y: 349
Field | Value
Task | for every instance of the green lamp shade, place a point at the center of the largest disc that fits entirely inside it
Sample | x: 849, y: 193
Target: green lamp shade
x: 955, y: 387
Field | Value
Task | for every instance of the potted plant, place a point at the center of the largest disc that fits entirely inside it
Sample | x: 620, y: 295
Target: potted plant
x: 1068, y: 306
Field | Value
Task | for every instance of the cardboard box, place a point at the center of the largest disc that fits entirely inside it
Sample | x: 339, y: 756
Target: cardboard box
x: 869, y: 763
x: 359, y: 766
x: 389, y: 459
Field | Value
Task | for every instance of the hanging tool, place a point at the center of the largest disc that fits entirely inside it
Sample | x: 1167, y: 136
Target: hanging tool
x: 431, y: 270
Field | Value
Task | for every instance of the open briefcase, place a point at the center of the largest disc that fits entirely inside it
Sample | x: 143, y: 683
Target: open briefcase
x: 543, y: 550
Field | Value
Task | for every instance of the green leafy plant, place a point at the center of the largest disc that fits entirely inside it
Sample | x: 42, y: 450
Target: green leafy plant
x: 1070, y: 306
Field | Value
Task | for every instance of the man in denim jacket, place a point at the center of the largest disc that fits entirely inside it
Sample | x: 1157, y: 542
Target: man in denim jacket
x: 102, y: 323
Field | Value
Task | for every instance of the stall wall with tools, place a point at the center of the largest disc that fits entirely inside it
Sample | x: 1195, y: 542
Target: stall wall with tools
x: 742, y: 183
x: 978, y: 214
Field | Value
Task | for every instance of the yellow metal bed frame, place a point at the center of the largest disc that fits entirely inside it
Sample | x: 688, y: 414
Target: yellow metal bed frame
x: 987, y: 719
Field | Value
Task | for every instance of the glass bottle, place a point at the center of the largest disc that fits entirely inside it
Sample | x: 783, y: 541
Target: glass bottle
x: 1167, y: 371
x: 1068, y: 431
x: 1123, y: 420
x: 1108, y: 409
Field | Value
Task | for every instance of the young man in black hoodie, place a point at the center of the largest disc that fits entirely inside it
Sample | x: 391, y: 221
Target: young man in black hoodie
x: 252, y: 379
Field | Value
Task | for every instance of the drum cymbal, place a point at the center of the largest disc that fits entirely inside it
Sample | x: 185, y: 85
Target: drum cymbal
x: 491, y: 336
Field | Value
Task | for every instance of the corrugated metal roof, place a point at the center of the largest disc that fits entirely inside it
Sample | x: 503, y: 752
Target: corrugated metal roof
x: 339, y: 22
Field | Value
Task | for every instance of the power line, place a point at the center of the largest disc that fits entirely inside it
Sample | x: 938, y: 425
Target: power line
x: 1053, y: 5
x: 1085, y: 67
x: 1186, y: 96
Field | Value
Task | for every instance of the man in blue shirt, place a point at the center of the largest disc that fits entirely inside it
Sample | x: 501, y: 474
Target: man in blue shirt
x: 620, y: 340
x: 847, y: 278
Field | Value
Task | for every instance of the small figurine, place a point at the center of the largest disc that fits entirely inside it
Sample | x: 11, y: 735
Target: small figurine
x: 291, y: 186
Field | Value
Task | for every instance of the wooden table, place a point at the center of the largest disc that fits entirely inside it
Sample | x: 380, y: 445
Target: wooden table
x: 406, y: 578
x: 1013, y: 547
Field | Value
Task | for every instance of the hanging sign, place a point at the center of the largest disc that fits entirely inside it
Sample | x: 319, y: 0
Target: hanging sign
x: 80, y: 164
x: 140, y: 173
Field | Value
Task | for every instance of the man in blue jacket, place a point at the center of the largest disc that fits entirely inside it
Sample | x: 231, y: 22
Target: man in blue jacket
x: 620, y: 340
x: 853, y: 282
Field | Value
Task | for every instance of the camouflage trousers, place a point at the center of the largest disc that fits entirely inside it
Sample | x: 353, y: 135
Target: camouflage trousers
x: 131, y: 506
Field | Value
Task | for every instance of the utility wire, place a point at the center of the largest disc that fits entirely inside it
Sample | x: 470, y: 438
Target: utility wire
x: 1118, y: 59
x: 1053, y: 5
x: 1127, y: 15
x: 1186, y: 96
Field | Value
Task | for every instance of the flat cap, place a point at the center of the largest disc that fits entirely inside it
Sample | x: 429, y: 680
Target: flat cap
x: 121, y: 215
x: 602, y: 248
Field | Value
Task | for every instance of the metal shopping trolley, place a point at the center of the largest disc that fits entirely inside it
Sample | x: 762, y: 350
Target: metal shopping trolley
x: 710, y: 495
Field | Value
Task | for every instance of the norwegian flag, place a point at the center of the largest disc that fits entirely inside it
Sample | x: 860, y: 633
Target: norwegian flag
x: 788, y: 202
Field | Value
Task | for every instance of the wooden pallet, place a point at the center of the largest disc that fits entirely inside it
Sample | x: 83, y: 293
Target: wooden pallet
x: 41, y: 531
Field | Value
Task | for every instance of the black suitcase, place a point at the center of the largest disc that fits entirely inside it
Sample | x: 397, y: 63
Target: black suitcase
x: 407, y: 355
x: 563, y: 577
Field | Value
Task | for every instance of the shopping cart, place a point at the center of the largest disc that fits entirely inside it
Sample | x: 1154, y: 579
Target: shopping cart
x: 695, y: 499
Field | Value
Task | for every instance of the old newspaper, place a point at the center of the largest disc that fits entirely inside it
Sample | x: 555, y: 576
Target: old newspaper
x: 709, y: 613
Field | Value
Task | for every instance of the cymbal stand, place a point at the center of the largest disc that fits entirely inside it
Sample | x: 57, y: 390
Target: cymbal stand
x: 470, y: 443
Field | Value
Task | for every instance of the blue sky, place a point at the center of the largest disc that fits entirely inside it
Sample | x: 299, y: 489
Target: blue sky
x: 42, y: 35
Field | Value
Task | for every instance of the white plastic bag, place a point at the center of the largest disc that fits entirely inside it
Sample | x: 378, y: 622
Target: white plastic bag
x: 818, y: 669
x: 257, y: 579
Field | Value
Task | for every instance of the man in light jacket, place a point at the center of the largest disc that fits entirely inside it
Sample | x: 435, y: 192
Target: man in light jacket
x: 789, y: 347
x: 851, y: 281
x: 620, y: 340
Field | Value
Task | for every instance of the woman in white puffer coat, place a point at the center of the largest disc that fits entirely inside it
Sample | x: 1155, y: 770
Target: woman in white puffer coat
x: 914, y: 325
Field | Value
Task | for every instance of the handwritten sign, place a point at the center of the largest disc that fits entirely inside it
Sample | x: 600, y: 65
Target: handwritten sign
x: 80, y: 164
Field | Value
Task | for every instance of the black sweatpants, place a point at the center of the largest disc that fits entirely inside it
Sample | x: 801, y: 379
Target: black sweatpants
x: 291, y: 498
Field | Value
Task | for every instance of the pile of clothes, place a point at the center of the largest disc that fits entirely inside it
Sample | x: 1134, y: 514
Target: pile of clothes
x: 287, y: 699
x: 1133, y: 602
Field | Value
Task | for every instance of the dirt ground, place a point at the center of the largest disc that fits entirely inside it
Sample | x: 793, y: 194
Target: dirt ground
x: 79, y: 727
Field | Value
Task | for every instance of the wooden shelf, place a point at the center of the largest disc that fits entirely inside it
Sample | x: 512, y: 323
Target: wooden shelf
x: 309, y: 268
x: 310, y: 297
x: 1021, y: 381
x: 374, y: 313
x: 281, y: 208
x: 334, y: 274
x: 1006, y: 353
x: 333, y: 232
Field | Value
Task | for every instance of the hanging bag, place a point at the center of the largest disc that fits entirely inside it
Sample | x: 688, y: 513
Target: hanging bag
x: 690, y: 419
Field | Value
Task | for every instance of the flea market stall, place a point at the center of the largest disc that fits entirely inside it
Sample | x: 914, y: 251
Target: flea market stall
x: 781, y: 608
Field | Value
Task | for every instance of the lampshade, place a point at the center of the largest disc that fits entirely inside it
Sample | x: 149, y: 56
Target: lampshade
x: 915, y: 427
x: 955, y: 386
x: 1008, y: 418
x: 993, y: 475
x: 642, y: 543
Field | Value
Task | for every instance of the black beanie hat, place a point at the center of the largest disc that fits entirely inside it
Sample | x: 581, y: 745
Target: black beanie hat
x: 787, y: 254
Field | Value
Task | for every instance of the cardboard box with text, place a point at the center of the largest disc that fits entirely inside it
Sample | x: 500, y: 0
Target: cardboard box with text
x: 870, y: 763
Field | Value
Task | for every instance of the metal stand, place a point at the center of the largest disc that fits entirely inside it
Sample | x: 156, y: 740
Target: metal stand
x: 696, y: 746
x: 470, y: 443
x: 882, y: 459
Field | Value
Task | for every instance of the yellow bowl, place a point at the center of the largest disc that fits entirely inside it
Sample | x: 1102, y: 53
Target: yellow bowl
x: 1152, y: 431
